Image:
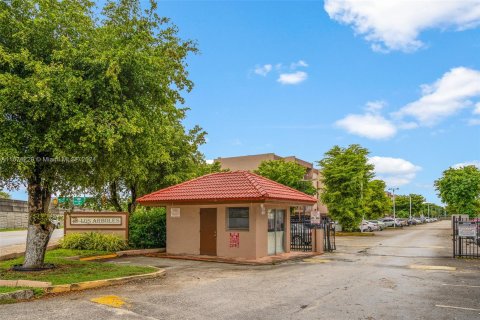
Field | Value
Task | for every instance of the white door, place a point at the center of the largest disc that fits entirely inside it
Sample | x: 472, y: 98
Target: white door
x: 276, y: 231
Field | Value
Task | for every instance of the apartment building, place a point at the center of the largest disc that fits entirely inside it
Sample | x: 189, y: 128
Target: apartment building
x: 252, y: 162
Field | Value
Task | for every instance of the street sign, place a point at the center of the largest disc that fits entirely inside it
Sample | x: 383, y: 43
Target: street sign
x: 63, y: 200
x: 79, y: 201
x: 467, y: 229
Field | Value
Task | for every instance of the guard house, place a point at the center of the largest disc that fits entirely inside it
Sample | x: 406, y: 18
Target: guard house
x: 229, y: 214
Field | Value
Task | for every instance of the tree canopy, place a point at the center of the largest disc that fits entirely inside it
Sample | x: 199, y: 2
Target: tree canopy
x: 287, y: 173
x: 377, y: 203
x: 402, y: 205
x: 4, y: 195
x: 459, y: 188
x: 346, y: 176
x: 90, y: 101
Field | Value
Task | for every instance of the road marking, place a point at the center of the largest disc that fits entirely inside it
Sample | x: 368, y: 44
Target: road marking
x: 111, y: 301
x: 123, y: 312
x: 310, y: 260
x: 459, y: 285
x: 453, y: 307
x: 422, y: 267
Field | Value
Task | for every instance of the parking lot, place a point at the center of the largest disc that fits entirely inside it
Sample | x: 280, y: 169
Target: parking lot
x: 397, y: 274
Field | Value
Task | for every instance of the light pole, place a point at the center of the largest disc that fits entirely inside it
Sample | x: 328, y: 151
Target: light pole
x: 393, y: 192
x: 428, y: 209
x: 410, y: 196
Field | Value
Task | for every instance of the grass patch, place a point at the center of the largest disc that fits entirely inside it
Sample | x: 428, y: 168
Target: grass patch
x: 71, y: 271
x: 12, y: 229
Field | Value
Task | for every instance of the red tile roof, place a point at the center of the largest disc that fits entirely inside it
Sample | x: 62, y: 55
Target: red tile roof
x: 226, y: 187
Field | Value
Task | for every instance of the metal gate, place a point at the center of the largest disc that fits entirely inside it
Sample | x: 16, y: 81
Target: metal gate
x: 301, y: 234
x: 466, y: 239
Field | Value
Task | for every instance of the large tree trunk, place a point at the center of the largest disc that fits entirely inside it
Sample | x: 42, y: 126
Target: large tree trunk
x: 114, y: 196
x: 132, y: 205
x: 39, y: 226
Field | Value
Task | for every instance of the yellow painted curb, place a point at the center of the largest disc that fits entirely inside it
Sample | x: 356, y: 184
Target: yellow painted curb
x: 102, y: 283
x: 106, y: 256
x: 443, y: 268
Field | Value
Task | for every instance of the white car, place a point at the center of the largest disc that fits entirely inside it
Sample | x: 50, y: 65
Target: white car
x: 368, y: 226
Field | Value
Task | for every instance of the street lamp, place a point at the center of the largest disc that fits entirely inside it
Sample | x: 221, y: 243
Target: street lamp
x: 393, y: 192
x: 410, y: 196
x: 428, y: 209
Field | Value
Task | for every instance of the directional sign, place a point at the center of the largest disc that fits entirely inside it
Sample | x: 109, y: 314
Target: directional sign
x: 79, y: 201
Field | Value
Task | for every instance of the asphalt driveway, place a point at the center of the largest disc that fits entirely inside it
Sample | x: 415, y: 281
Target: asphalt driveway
x: 398, y: 274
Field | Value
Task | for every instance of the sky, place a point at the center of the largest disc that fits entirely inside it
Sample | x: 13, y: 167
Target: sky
x: 399, y: 77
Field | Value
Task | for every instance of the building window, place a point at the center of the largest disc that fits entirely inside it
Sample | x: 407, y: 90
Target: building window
x: 237, y: 218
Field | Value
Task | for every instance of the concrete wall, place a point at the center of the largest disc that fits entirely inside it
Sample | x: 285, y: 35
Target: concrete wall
x: 183, y: 233
x: 14, y: 214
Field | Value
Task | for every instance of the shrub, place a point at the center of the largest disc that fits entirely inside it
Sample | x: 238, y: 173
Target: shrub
x: 147, y: 228
x: 93, y: 241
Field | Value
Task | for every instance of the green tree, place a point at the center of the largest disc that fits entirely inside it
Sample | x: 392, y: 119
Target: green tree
x: 459, y: 188
x: 402, y: 205
x: 98, y: 92
x: 287, y: 173
x: 41, y: 92
x: 4, y: 195
x: 377, y: 203
x: 346, y: 176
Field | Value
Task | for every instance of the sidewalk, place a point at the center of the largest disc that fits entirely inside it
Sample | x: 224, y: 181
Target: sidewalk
x: 18, y: 250
x: 268, y: 260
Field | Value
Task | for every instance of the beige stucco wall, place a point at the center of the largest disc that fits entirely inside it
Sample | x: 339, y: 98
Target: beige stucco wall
x: 183, y: 233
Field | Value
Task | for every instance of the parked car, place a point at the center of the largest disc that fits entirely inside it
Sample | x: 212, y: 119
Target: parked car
x: 389, y: 222
x: 368, y: 226
x: 418, y: 220
x: 412, y: 222
x: 401, y: 223
x: 55, y: 222
x: 379, y: 224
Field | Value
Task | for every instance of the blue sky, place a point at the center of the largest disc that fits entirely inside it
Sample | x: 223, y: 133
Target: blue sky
x: 296, y: 77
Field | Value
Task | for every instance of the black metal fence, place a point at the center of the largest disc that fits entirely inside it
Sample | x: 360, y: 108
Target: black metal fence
x: 301, y: 234
x: 466, y: 239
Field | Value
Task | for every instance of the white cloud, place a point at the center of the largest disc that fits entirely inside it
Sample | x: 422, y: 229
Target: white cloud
x: 292, y: 78
x: 395, y: 172
x: 475, y: 163
x: 396, y: 24
x: 263, y: 70
x: 298, y: 64
x: 371, y: 125
x: 209, y: 161
x: 445, y: 97
x: 474, y: 122
x: 476, y: 110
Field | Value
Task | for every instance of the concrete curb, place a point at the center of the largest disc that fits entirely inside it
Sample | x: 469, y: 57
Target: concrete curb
x: 136, y: 252
x: 102, y: 283
x: 15, y: 255
x: 25, y: 283
x: 17, y: 295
